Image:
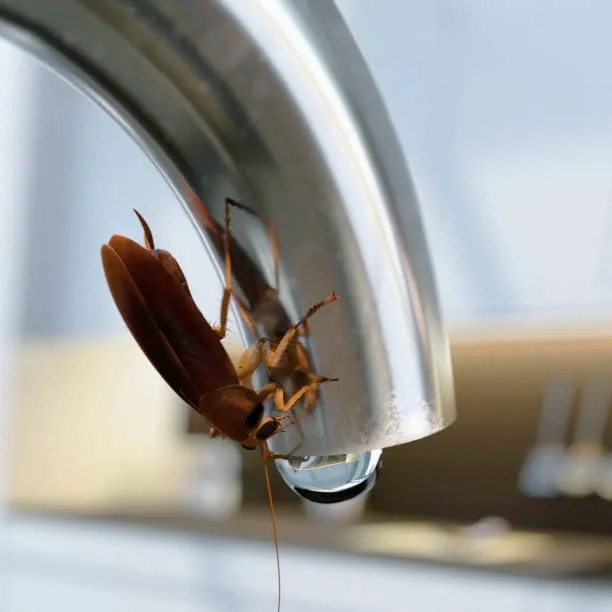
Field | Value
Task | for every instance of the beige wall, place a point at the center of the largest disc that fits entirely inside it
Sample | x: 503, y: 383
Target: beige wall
x: 95, y: 426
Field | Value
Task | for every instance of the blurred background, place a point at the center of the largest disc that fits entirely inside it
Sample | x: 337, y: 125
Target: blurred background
x: 113, y: 500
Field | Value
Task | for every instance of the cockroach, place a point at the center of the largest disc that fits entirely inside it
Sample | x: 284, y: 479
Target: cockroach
x: 154, y: 300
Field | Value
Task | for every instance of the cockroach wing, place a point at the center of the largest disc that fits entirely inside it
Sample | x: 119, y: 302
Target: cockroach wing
x: 194, y: 342
x: 144, y: 329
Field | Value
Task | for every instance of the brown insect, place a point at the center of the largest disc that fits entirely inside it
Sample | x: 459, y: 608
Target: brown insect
x: 154, y: 300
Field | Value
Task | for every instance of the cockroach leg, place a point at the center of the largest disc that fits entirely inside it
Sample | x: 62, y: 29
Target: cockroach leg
x: 245, y: 311
x: 271, y: 234
x: 296, y: 396
x: 291, y: 333
x: 267, y: 391
x: 311, y: 400
x: 251, y: 358
x: 262, y: 352
x: 227, y: 293
x: 276, y: 390
x: 215, y: 433
x: 272, y: 456
x: 269, y: 455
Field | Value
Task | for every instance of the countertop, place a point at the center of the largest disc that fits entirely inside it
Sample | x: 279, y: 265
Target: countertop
x: 487, y: 546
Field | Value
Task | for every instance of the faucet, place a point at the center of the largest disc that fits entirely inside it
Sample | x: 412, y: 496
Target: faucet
x: 271, y: 103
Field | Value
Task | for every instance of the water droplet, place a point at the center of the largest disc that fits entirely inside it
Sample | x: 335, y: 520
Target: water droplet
x: 331, y: 479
